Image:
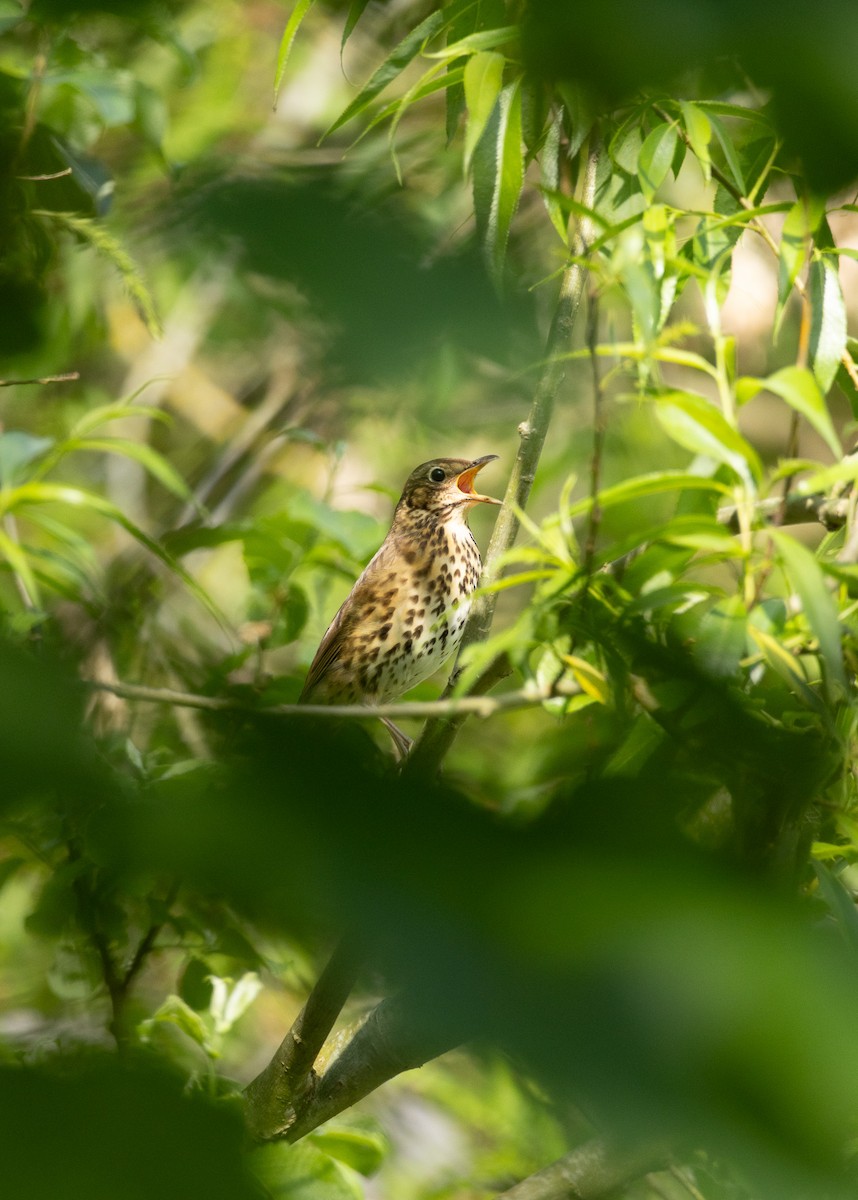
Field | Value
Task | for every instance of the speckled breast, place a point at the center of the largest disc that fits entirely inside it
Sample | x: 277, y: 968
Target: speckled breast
x: 431, y: 606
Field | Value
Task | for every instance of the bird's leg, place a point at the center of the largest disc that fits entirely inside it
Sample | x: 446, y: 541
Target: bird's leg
x: 401, y: 741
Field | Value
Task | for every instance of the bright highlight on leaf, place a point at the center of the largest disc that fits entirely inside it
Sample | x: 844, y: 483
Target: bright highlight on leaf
x: 797, y: 386
x: 483, y: 80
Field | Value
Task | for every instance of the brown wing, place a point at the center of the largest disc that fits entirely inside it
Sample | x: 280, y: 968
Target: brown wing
x: 326, y: 655
x: 331, y: 645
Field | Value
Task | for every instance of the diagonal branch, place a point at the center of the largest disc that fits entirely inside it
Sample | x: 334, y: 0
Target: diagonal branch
x: 592, y: 1171
x: 438, y: 735
x: 391, y: 1040
x: 280, y: 1094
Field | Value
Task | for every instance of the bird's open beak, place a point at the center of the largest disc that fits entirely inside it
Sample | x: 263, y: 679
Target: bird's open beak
x: 465, y: 481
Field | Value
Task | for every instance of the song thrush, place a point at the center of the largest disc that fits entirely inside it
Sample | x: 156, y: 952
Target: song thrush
x: 406, y: 613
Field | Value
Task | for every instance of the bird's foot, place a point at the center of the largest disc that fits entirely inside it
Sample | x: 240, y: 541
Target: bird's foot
x: 402, y: 743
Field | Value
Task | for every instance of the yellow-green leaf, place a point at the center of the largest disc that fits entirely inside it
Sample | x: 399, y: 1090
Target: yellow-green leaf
x: 817, y: 602
x: 483, y: 82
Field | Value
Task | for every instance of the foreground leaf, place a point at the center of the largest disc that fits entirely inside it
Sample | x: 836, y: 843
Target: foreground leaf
x: 818, y: 604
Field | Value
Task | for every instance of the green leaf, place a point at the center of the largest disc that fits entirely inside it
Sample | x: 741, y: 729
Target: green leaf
x: 785, y: 666
x: 303, y: 1172
x: 18, y: 450
x: 819, y: 606
x: 483, y: 39
x: 156, y: 464
x: 53, y: 493
x: 106, y: 244
x: 801, y: 222
x: 698, y: 127
x: 362, y: 1147
x: 657, y: 483
x: 625, y: 145
x: 720, y: 637
x: 300, y: 11
x: 498, y: 175
x: 828, y: 320
x: 797, y: 386
x: 354, y: 14
x: 8, y: 867
x: 175, y: 1011
x: 117, y: 411
x: 17, y: 559
x: 655, y: 158
x: 695, y: 423
x: 396, y: 62
x: 732, y: 159
x: 579, y: 114
x: 840, y: 902
x: 549, y: 162
x: 483, y: 82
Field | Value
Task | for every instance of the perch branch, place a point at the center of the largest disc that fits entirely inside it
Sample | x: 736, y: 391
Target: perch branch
x: 481, y: 706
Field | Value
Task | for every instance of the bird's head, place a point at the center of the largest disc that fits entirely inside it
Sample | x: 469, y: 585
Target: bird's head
x: 444, y: 484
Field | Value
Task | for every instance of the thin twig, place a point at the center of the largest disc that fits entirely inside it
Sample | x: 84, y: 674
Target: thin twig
x: 595, y: 515
x: 147, y: 942
x: 481, y: 706
x: 50, y: 175
x: 68, y: 377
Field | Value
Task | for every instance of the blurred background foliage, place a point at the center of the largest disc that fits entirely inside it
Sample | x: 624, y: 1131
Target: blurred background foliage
x: 229, y: 331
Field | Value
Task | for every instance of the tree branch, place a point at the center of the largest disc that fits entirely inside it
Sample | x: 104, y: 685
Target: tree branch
x: 68, y: 377
x: 279, y: 1095
x: 391, y: 1040
x: 592, y: 1171
x: 437, y: 736
x: 481, y: 706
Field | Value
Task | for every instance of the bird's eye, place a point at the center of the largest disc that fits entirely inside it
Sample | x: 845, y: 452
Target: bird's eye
x: 437, y: 475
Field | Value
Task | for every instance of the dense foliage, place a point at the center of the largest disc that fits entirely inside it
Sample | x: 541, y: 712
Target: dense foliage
x: 612, y: 246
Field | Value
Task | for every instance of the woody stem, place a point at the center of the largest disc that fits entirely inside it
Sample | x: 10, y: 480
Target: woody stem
x: 438, y: 734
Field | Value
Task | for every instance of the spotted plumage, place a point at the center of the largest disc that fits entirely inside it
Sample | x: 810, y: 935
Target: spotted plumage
x: 406, y: 613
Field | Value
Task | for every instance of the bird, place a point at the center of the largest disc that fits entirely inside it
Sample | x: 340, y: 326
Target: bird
x: 406, y: 613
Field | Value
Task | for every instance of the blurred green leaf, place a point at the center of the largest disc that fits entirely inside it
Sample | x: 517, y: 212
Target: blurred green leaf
x: 88, y: 1127
x: 656, y: 157
x: 697, y: 424
x: 175, y: 1011
x: 820, y: 609
x: 297, y: 15
x: 476, y: 43
x: 483, y: 81
x: 549, y: 161
x: 363, y: 1147
x: 156, y: 464
x: 303, y: 1172
x: 96, y: 235
x: 498, y: 175
x: 828, y: 319
x: 800, y: 225
x: 840, y: 901
x: 698, y: 127
x: 393, y: 65
x: 17, y: 451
